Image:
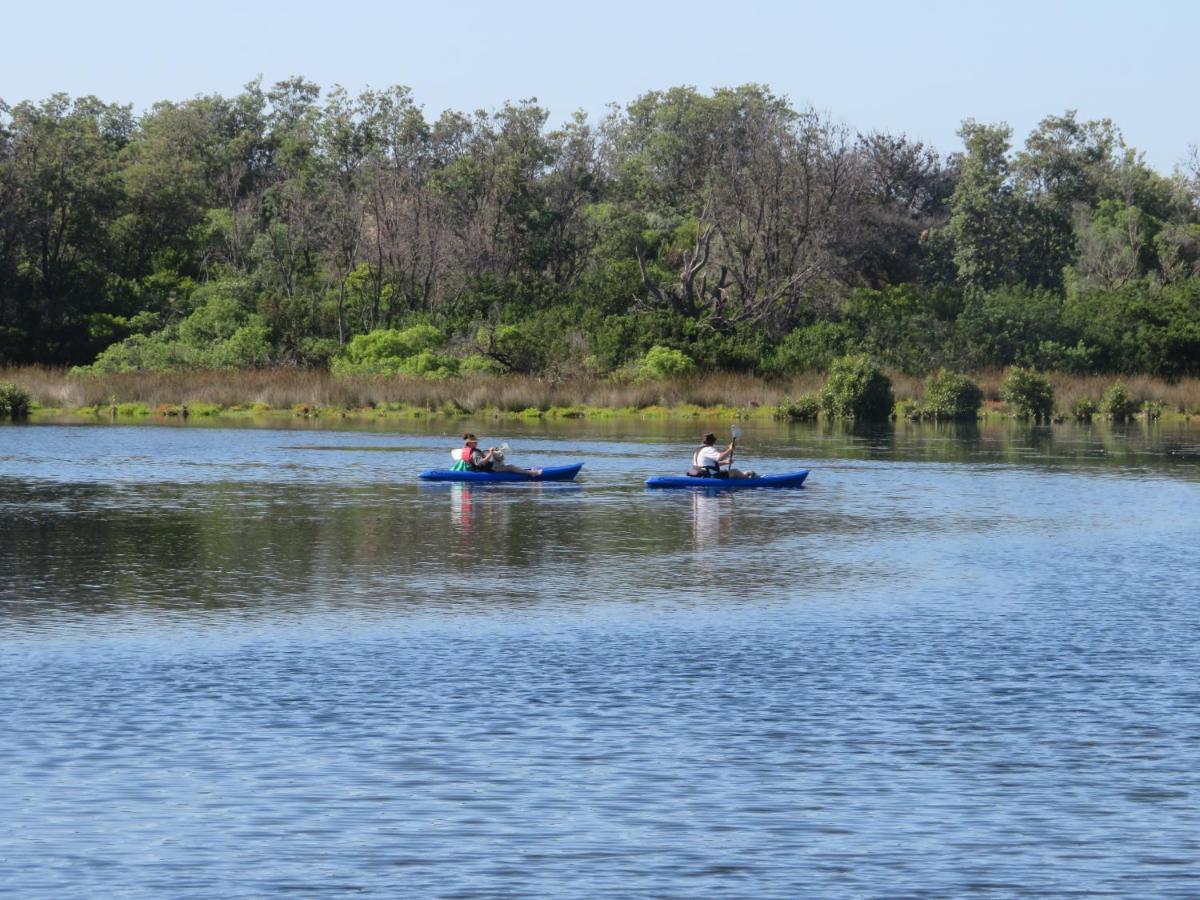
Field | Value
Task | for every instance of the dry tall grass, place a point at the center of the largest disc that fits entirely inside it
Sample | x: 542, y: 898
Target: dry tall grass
x: 287, y: 388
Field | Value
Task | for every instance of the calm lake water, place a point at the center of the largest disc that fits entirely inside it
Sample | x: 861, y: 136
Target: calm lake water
x: 245, y: 662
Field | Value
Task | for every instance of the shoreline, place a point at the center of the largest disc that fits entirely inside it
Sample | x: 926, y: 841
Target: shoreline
x: 275, y: 394
x: 180, y: 414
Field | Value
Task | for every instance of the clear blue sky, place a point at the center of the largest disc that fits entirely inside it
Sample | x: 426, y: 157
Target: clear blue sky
x: 919, y: 67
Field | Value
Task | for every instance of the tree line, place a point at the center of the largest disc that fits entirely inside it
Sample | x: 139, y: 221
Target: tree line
x: 730, y: 230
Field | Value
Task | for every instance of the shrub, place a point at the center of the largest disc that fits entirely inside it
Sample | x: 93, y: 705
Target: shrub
x: 813, y: 348
x: 1012, y: 325
x: 665, y: 362
x: 384, y: 350
x: 857, y: 389
x: 478, y: 365
x: 158, y: 352
x: 316, y: 352
x: 14, y: 402
x: 804, y: 409
x: 220, y: 334
x: 1118, y: 404
x: 428, y: 364
x: 951, y: 396
x: 1027, y: 394
x: 388, y: 351
x: 513, y: 348
x: 1084, y: 409
x: 1153, y: 409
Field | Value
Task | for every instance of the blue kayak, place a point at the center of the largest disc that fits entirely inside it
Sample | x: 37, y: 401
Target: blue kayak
x: 791, y: 479
x: 554, y: 473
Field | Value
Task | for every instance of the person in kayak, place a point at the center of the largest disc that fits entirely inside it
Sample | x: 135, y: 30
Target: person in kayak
x: 709, y: 462
x: 471, y: 459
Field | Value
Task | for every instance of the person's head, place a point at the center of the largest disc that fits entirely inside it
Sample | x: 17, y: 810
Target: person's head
x: 470, y: 440
x: 710, y: 438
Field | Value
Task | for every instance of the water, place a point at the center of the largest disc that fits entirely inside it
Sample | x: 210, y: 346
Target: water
x: 244, y: 662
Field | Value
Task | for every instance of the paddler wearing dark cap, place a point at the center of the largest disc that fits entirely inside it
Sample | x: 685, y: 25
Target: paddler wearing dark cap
x: 709, y: 462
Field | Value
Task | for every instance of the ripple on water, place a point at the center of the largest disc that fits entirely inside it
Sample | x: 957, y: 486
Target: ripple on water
x: 232, y: 664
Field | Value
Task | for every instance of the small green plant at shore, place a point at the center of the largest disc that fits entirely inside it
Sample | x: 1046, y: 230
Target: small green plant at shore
x: 14, y: 402
x: 1084, y: 410
x: 857, y: 389
x: 1153, y: 409
x: 951, y: 397
x: 1118, y: 404
x: 1027, y: 395
x: 804, y: 408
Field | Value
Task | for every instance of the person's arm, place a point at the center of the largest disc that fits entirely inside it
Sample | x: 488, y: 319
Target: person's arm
x: 726, y: 453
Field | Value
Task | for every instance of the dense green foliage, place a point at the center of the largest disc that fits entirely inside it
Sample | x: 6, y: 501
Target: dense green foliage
x: 1027, y: 394
x: 283, y: 226
x: 857, y: 389
x: 951, y: 397
x: 665, y: 362
x: 806, y: 408
x: 1084, y: 409
x: 14, y: 402
x: 1118, y: 404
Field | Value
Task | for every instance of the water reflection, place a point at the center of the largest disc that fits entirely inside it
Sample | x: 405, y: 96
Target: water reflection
x: 712, y: 518
x: 462, y: 510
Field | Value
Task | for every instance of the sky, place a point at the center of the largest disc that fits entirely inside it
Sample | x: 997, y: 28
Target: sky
x: 914, y: 67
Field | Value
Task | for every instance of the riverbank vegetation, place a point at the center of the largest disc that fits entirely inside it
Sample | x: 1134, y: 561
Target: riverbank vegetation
x: 684, y: 233
x: 312, y: 393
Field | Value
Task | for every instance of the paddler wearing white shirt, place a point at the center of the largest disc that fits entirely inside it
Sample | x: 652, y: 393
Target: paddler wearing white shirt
x: 714, y: 463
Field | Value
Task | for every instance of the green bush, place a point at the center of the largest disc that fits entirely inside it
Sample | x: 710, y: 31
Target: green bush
x: 1118, y: 404
x: 1011, y: 326
x: 857, y: 389
x: 665, y: 362
x: 386, y: 346
x: 1084, y: 410
x: 388, y: 351
x: 221, y: 334
x: 513, y: 348
x: 810, y: 349
x: 1153, y: 409
x: 805, y: 408
x: 14, y: 402
x: 428, y: 364
x: 951, y: 396
x: 157, y: 352
x: 478, y: 365
x: 1027, y: 394
x: 317, y: 352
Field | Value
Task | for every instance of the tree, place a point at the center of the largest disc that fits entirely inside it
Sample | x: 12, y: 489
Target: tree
x: 61, y: 178
x: 984, y: 209
x: 906, y: 192
x: 770, y: 194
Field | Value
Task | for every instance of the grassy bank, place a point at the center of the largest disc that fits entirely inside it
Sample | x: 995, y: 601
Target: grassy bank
x: 297, y: 392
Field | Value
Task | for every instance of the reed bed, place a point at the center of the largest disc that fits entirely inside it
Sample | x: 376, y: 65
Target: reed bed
x: 287, y: 388
x: 292, y: 388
